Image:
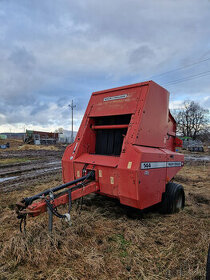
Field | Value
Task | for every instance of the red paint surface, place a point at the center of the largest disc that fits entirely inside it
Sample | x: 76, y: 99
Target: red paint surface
x: 119, y: 126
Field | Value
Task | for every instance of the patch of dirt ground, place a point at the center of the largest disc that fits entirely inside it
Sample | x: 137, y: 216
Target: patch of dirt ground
x: 109, y: 241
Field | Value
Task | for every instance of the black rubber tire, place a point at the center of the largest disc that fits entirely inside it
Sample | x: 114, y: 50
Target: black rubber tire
x: 208, y: 265
x: 173, y: 200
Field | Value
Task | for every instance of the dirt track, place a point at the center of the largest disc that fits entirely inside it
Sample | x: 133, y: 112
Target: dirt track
x: 14, y: 177
x: 27, y: 167
x: 106, y: 239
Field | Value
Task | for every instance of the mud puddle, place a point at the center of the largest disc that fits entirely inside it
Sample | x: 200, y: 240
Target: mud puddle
x: 7, y: 178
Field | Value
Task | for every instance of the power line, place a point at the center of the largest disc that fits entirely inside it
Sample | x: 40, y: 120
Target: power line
x: 180, y: 68
x: 188, y: 78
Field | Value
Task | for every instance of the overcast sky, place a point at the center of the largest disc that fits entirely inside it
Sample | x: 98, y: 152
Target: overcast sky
x: 54, y: 51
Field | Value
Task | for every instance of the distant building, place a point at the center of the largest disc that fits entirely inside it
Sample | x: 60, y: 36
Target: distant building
x: 40, y: 137
x: 65, y: 137
x: 3, y: 137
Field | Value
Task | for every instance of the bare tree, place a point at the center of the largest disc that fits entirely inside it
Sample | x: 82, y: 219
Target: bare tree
x: 59, y: 130
x: 192, y: 120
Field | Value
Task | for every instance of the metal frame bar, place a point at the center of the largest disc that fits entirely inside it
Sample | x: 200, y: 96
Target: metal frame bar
x: 116, y: 126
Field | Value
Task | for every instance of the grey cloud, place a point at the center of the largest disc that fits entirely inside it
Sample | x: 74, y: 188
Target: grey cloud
x: 62, y: 101
x: 37, y: 108
x: 51, y: 52
x: 141, y: 53
x: 22, y: 58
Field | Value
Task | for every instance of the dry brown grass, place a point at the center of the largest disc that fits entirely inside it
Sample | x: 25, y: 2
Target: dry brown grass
x: 16, y: 144
x: 38, y: 147
x: 110, y: 241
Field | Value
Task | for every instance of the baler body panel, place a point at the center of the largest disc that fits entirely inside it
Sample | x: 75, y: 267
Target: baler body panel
x: 106, y: 173
x: 175, y: 161
x: 125, y: 105
x: 128, y: 136
x: 153, y: 124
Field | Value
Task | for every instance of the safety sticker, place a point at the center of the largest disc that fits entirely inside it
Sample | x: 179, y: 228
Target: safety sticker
x: 99, y: 173
x: 112, y: 180
x: 129, y: 164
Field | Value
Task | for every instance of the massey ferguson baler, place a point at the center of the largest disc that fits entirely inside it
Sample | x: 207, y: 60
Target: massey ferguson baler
x: 125, y: 149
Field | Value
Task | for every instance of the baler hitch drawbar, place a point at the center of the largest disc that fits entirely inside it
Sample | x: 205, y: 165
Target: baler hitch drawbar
x: 51, y: 198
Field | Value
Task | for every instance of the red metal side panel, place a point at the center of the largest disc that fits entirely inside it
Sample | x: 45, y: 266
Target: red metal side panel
x: 178, y: 142
x: 108, y: 180
x: 171, y: 133
x: 175, y: 163
x: 119, y: 102
x: 67, y: 164
x: 105, y: 170
x: 152, y: 177
x: 84, y: 143
x: 120, y: 88
x: 134, y: 126
x: 154, y: 120
x: 101, y: 160
x: 128, y: 177
x: 138, y: 187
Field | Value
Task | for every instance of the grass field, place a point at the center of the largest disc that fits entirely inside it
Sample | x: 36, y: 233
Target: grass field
x: 14, y: 160
x: 110, y: 241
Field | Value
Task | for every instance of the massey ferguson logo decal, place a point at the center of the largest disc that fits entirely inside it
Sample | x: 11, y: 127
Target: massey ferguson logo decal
x: 115, y: 97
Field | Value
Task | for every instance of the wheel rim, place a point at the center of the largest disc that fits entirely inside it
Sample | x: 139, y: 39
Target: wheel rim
x: 179, y: 202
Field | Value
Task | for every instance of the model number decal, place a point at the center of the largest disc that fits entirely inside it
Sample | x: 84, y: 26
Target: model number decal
x: 146, y: 165
x: 115, y: 97
x: 161, y: 164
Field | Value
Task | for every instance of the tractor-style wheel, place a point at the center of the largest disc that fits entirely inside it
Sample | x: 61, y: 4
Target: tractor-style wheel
x: 173, y: 199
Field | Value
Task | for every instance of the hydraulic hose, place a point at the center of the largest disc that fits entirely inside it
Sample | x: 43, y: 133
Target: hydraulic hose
x: 28, y: 200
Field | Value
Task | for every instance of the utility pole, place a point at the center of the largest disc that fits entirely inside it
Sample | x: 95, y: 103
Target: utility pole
x: 72, y: 118
x: 24, y: 132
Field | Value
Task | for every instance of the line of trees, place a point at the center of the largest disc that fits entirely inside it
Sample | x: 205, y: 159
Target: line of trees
x: 193, y: 121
